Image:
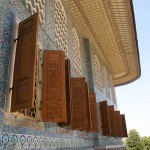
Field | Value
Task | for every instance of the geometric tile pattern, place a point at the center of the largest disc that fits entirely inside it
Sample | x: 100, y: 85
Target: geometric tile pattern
x: 88, y: 49
x: 106, y: 83
x: 113, y: 95
x: 61, y: 27
x: 44, y: 39
x: 50, y: 18
x: 2, y: 100
x: 76, y: 52
x: 21, y: 141
x: 6, y: 27
x: 34, y: 6
x: 98, y: 74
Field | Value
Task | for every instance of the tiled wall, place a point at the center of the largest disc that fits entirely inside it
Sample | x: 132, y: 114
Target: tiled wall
x: 13, y: 137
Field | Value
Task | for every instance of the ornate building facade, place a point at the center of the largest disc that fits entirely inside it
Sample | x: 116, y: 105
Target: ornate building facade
x: 98, y: 37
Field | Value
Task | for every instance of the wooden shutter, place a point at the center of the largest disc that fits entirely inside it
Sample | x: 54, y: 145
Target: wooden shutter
x: 118, y: 125
x: 93, y: 112
x: 87, y: 109
x: 124, y: 128
x: 54, y: 87
x: 105, y: 124
x: 112, y: 121
x: 24, y: 68
x: 68, y: 93
x: 78, y: 104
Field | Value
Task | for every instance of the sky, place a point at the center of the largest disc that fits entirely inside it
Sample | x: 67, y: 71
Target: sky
x: 134, y: 98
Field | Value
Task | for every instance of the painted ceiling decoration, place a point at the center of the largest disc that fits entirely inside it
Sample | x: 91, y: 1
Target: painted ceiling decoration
x: 110, y: 26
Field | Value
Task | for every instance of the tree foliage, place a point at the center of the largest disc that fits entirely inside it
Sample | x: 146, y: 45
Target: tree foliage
x: 145, y: 143
x: 135, y: 142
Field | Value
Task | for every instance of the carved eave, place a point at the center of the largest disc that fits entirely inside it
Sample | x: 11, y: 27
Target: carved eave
x: 110, y: 26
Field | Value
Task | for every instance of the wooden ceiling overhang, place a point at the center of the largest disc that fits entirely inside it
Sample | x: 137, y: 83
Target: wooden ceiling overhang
x: 110, y: 26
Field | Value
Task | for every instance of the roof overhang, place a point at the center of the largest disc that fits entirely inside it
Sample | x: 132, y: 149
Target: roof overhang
x: 110, y: 26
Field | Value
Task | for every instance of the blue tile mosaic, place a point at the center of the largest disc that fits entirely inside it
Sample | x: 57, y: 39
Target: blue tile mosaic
x: 89, y: 65
x: 3, y: 86
x: 3, y: 71
x: 1, y: 117
x: 10, y: 129
x: 6, y: 24
x: 29, y: 142
x: 2, y: 100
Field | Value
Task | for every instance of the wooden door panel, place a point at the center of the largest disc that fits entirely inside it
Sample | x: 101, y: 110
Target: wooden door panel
x: 124, y: 127
x: 93, y: 112
x: 105, y: 124
x: 118, y: 124
x: 112, y: 121
x: 78, y: 104
x: 68, y: 94
x: 24, y: 68
x: 53, y: 87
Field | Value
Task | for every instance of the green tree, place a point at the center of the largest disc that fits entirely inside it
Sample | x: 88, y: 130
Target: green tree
x: 133, y: 141
x: 145, y: 142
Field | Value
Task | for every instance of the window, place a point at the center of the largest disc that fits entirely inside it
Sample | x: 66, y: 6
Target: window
x: 60, y: 27
x: 98, y: 78
x: 25, y: 87
x: 22, y: 95
x: 106, y: 83
x: 25, y: 74
x: 76, y: 53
